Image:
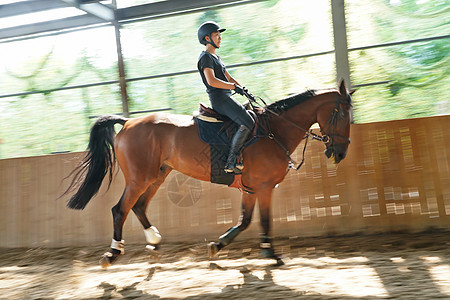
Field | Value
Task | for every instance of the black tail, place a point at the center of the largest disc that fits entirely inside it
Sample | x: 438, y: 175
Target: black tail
x: 98, y: 161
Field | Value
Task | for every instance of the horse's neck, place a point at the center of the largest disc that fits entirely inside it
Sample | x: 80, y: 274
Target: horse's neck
x: 290, y: 127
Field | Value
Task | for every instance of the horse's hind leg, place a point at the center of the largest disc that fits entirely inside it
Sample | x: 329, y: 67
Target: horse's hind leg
x: 136, y: 196
x: 248, y: 204
x: 120, y: 212
x: 151, y: 233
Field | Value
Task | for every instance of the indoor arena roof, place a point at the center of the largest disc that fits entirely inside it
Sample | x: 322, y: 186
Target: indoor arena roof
x: 25, y: 18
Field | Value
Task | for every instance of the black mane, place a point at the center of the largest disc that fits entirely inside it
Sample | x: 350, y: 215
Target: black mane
x: 287, y: 103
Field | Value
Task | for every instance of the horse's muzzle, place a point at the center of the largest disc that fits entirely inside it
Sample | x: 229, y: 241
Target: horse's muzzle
x: 338, y: 151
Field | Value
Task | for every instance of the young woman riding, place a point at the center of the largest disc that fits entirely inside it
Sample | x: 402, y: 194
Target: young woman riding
x: 219, y: 84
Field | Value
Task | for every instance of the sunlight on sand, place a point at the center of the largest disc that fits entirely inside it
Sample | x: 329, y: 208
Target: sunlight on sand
x: 346, y: 277
x: 186, y: 277
x: 180, y: 279
x: 439, y: 273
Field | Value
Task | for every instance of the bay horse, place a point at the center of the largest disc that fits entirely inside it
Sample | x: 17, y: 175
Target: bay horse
x: 148, y: 148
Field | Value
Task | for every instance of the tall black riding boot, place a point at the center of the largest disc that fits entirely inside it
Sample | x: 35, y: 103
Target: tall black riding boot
x: 236, y: 145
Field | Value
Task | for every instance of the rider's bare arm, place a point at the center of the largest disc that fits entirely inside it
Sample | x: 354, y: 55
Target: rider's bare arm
x: 231, y: 78
x: 218, y: 83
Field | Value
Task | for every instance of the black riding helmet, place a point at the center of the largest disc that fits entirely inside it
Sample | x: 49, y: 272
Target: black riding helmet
x: 206, y: 29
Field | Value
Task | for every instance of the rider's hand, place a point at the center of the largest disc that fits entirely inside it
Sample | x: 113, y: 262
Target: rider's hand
x: 247, y: 92
x: 239, y: 89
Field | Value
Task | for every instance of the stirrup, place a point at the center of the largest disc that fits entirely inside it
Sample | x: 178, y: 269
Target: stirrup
x: 235, y: 167
x: 233, y: 170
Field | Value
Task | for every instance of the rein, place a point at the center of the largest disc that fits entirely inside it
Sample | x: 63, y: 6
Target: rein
x: 324, y: 138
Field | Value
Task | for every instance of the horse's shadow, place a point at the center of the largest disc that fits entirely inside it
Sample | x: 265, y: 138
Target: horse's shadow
x: 252, y: 285
x: 265, y: 287
x: 129, y: 291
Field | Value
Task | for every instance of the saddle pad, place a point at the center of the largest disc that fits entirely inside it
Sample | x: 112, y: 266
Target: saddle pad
x: 213, y: 133
x: 217, y: 133
x: 219, y: 154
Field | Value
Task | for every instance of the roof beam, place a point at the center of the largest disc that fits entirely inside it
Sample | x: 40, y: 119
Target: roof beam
x: 26, y: 7
x: 140, y: 12
x: 171, y: 7
x: 94, y: 8
x: 66, y: 23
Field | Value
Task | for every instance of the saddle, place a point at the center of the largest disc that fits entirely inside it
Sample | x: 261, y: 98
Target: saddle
x: 215, y: 128
x: 208, y: 114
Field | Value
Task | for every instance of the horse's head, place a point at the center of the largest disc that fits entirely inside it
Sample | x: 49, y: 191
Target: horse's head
x: 334, y: 121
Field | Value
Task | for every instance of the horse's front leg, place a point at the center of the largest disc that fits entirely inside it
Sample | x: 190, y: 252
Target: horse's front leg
x: 248, y: 204
x: 264, y: 202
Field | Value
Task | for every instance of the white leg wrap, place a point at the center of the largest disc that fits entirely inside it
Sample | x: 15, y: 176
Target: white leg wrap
x: 118, y: 245
x: 152, y: 235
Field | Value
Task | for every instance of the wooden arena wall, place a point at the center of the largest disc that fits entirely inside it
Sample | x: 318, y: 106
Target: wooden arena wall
x: 396, y: 177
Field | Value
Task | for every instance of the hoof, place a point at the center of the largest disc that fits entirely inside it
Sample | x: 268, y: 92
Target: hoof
x: 212, y: 249
x: 268, y: 253
x: 104, y: 262
x: 279, y: 262
x: 107, y: 260
x: 153, y: 251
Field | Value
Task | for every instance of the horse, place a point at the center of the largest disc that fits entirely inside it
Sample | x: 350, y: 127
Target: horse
x: 148, y: 148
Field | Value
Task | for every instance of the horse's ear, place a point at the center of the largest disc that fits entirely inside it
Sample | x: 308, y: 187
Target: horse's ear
x: 345, y: 93
x: 342, y: 88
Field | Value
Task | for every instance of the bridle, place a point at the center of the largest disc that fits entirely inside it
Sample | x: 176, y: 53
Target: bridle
x: 325, y: 136
x: 328, y: 138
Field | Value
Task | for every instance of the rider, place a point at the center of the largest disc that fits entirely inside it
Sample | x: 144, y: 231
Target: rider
x: 219, y: 84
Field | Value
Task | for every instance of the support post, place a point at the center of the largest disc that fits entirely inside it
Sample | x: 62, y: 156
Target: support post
x: 121, y: 65
x: 340, y: 42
